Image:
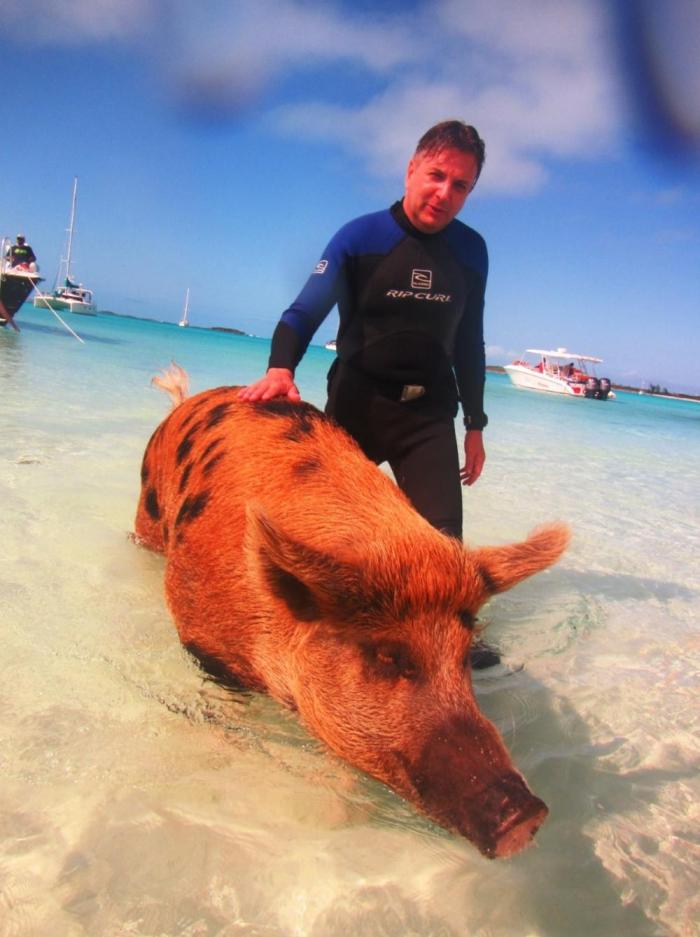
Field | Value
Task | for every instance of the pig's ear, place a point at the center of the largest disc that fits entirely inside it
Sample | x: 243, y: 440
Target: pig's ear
x: 503, y: 567
x: 309, y: 581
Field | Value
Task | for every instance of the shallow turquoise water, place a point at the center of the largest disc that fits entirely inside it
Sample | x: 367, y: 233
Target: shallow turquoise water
x: 137, y: 799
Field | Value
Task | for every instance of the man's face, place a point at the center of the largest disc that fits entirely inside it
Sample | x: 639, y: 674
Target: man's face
x: 437, y: 186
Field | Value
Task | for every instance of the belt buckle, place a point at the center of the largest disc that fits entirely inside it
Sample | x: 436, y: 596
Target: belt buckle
x: 411, y: 392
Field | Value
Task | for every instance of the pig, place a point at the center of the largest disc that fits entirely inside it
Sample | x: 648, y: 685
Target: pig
x: 296, y: 567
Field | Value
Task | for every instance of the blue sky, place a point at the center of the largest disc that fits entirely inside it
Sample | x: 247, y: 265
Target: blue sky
x: 219, y: 145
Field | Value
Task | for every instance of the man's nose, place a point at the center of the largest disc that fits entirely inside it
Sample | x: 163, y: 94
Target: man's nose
x: 443, y: 190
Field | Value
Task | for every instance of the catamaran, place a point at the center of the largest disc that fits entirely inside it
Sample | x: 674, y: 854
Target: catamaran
x: 67, y: 293
x: 560, y: 372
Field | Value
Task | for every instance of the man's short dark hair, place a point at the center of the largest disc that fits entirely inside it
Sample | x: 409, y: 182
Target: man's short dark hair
x: 453, y: 135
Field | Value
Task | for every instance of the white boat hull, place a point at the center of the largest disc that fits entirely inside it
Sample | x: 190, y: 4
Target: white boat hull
x: 63, y: 305
x: 559, y: 371
x: 529, y: 379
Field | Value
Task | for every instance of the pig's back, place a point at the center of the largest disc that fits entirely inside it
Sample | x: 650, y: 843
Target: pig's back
x: 214, y: 455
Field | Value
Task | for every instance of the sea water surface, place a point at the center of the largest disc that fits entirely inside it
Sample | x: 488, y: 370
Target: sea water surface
x: 138, y: 798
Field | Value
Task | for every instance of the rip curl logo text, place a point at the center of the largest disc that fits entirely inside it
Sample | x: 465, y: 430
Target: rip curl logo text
x: 421, y: 279
x: 421, y: 282
x: 321, y: 266
x: 413, y: 294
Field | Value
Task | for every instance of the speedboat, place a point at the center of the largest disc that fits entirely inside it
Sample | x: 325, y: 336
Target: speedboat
x: 560, y: 372
x: 331, y: 345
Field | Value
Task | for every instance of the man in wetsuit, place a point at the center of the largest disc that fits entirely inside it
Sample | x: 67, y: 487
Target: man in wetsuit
x: 409, y: 283
x: 21, y: 253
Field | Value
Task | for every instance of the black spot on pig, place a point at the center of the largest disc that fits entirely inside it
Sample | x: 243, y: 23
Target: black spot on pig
x: 209, y: 448
x: 191, y: 508
x: 217, y: 414
x: 184, y: 478
x: 152, y: 505
x: 306, y: 467
x: 208, y: 466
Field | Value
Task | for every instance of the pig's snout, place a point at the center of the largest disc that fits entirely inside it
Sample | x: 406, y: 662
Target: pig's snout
x: 473, y: 789
x: 521, y: 815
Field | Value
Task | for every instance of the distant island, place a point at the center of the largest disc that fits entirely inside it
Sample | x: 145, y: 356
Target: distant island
x: 204, y: 328
x: 654, y: 390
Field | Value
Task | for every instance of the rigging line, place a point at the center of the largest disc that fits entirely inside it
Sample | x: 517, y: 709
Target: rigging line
x: 47, y: 302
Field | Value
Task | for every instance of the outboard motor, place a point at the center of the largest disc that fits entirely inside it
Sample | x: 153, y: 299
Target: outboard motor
x: 604, y: 388
x: 592, y: 387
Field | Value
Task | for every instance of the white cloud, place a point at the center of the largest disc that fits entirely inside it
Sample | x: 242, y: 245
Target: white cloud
x: 534, y: 76
x: 232, y: 58
x: 75, y: 22
x: 384, y: 132
x: 280, y: 33
x: 496, y: 354
x: 527, y: 29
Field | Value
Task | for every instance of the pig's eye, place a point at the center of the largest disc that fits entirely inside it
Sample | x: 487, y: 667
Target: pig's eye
x: 391, y: 660
x: 467, y: 620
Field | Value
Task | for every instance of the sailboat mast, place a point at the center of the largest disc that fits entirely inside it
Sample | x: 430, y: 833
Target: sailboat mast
x: 186, y: 310
x: 69, y: 252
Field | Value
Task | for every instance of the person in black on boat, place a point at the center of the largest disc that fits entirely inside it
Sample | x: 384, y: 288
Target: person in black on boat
x: 21, y: 253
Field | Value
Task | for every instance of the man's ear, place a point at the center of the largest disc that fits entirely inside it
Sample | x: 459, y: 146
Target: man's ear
x: 410, y: 169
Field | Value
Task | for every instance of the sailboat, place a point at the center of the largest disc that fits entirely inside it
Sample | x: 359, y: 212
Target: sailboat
x: 185, y: 320
x: 68, y: 295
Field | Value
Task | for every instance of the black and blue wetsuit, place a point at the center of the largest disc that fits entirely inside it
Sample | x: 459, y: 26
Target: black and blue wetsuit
x: 411, y: 315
